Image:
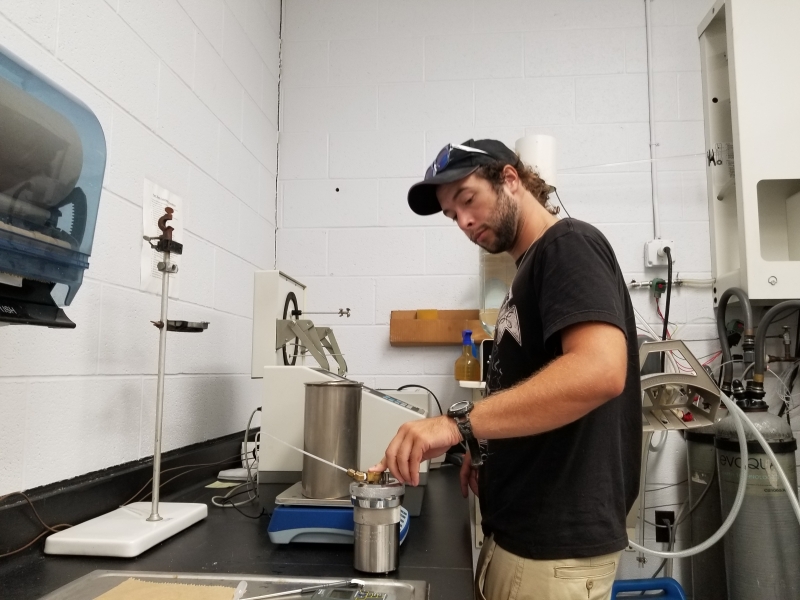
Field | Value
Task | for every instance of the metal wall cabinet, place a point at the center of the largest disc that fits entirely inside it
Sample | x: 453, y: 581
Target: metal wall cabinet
x: 750, y: 60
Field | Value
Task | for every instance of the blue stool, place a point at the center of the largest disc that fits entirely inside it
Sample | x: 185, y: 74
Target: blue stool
x: 669, y: 588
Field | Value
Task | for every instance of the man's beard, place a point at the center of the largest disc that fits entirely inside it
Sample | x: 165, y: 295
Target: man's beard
x: 503, y: 222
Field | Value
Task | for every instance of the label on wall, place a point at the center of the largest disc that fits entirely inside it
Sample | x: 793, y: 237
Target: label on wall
x: 154, y: 200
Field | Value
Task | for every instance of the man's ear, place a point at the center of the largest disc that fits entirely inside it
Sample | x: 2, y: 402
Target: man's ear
x: 511, y: 178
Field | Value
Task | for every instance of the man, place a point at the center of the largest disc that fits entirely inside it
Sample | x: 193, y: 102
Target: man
x: 562, y: 415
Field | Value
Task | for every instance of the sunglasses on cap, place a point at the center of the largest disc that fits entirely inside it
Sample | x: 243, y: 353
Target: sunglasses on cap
x: 444, y: 158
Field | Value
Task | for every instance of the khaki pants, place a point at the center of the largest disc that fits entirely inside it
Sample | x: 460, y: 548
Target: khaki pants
x: 501, y: 575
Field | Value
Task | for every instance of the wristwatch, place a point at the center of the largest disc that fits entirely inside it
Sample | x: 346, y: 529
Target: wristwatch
x: 459, y: 412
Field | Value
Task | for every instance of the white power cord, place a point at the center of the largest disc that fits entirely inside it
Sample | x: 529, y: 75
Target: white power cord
x: 252, y: 491
x: 740, y: 419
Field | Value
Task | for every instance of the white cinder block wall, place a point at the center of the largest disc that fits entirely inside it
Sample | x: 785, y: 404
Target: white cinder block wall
x: 187, y: 94
x: 372, y: 89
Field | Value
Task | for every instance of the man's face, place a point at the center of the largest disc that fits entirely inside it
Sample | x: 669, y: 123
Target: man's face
x: 489, y: 218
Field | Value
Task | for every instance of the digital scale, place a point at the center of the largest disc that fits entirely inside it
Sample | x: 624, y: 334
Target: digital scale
x: 300, y: 519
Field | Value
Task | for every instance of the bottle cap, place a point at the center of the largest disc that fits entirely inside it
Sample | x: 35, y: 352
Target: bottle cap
x: 466, y: 337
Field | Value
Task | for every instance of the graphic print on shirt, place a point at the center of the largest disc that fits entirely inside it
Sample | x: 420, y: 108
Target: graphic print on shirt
x: 508, y: 320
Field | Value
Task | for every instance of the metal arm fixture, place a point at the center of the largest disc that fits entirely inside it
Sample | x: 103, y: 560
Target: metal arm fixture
x: 668, y: 400
x: 315, y: 339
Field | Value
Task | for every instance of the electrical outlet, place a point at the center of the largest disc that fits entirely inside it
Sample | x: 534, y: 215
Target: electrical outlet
x: 654, y: 255
x: 662, y: 533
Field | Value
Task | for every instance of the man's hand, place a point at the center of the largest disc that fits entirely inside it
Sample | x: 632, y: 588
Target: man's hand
x: 417, y: 441
x: 469, y: 477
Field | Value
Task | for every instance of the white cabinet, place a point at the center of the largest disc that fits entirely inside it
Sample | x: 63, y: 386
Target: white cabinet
x: 750, y: 56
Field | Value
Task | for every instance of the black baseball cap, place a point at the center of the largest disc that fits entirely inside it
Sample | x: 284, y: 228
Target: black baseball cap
x: 453, y: 163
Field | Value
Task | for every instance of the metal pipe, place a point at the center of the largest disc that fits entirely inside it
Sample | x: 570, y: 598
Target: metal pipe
x: 652, y: 118
x: 311, y: 588
x: 723, y: 332
x: 162, y: 358
x: 761, y: 339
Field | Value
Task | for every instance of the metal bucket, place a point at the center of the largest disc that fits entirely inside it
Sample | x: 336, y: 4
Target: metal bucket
x: 332, y: 418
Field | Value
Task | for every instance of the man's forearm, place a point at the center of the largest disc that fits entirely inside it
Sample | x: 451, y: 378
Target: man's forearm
x: 562, y: 392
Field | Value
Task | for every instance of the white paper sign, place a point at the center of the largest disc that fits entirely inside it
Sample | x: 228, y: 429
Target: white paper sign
x: 154, y: 201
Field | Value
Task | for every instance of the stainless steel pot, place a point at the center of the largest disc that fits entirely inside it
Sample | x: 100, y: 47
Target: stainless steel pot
x: 332, y: 417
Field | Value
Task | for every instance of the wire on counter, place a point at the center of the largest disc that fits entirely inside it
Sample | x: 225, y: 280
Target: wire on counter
x: 196, y: 466
x: 48, y: 528
x: 252, y: 486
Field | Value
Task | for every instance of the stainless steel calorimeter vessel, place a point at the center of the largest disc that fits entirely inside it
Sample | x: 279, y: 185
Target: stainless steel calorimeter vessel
x: 330, y: 431
x: 376, y: 518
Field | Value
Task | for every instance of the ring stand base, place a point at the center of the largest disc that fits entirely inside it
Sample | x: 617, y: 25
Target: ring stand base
x: 125, y: 532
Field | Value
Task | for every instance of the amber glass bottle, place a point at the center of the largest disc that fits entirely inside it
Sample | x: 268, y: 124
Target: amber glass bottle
x: 467, y: 367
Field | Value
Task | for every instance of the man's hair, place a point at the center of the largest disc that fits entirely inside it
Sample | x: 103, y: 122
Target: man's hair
x: 537, y: 186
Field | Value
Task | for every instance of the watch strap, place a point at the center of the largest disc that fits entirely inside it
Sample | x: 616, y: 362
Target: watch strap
x: 465, y: 427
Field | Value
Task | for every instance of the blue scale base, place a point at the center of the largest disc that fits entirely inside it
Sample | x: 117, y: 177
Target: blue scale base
x: 318, y: 524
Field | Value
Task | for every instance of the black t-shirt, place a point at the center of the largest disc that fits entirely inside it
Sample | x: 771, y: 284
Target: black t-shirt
x: 563, y: 493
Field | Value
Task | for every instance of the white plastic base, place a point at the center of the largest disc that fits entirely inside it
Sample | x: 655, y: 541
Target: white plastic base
x: 125, y: 532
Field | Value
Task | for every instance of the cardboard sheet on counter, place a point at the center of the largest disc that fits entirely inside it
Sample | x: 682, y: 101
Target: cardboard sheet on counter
x: 135, y: 589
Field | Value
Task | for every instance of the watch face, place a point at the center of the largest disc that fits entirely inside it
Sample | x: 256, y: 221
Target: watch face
x: 460, y: 408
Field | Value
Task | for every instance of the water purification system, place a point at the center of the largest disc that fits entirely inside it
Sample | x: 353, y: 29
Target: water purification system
x: 52, y: 161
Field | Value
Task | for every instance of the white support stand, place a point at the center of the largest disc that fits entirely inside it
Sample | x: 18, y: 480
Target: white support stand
x: 130, y: 530
x: 125, y: 532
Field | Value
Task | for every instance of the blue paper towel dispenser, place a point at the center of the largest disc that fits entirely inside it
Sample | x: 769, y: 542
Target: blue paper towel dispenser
x: 52, y: 161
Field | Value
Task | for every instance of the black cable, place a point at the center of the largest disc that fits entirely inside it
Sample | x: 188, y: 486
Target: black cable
x: 668, y: 252
x: 663, y: 564
x: 290, y: 297
x: 239, y: 456
x: 797, y: 337
x: 244, y: 514
x: 560, y: 202
x: 422, y: 387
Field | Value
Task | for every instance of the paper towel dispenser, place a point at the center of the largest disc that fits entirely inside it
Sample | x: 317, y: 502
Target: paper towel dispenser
x: 52, y: 161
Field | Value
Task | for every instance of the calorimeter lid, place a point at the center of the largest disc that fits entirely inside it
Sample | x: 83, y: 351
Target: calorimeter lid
x: 377, y: 491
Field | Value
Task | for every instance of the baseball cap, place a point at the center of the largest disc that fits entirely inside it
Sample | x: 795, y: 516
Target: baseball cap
x: 454, y: 163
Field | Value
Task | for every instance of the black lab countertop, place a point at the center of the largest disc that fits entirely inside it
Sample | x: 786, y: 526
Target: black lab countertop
x: 437, y: 549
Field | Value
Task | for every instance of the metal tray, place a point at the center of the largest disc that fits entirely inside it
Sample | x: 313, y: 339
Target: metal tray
x: 95, y: 583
